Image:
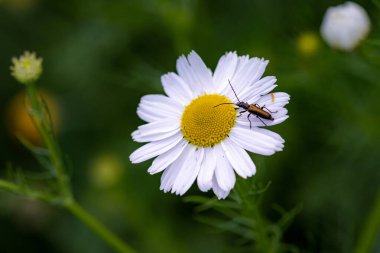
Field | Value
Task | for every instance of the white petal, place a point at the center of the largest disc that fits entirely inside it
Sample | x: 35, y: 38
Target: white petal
x: 201, y: 71
x: 255, y: 91
x: 187, y: 74
x: 168, y: 177
x: 219, y: 192
x: 276, y: 121
x: 257, y: 73
x: 156, y: 130
x: 224, y: 173
x: 207, y: 169
x: 239, y: 159
x: 243, y: 61
x: 154, y: 149
x: 274, y: 100
x: 188, y: 172
x: 248, y: 74
x: 240, y: 66
x: 158, y: 107
x: 161, y: 126
x: 256, y: 140
x: 170, y: 174
x: 271, y: 134
x: 176, y: 88
x: 137, y: 137
x: 164, y: 160
x: 225, y: 70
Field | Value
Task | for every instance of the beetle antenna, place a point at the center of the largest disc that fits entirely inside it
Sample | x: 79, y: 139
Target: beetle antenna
x: 233, y: 90
x: 224, y: 104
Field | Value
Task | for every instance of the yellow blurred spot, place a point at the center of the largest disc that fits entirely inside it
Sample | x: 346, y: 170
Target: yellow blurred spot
x: 106, y: 170
x: 18, y: 4
x: 308, y: 43
x: 18, y: 119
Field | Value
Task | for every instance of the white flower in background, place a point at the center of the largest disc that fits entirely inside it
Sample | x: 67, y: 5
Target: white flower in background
x: 194, y: 137
x: 344, y: 26
x: 27, y: 68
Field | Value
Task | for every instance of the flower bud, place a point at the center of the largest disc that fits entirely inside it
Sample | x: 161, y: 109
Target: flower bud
x: 27, y: 68
x: 19, y: 122
x: 344, y: 26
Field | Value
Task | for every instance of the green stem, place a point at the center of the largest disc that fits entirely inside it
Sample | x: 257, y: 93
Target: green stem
x: 98, y: 228
x: 76, y: 210
x: 14, y: 188
x: 41, y: 117
x: 39, y: 114
x: 251, y: 208
x: 371, y: 229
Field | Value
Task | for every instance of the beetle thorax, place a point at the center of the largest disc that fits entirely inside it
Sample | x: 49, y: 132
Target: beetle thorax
x: 244, y: 105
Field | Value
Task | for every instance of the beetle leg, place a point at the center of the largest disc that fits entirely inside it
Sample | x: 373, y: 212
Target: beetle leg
x: 250, y: 123
x: 261, y: 120
x: 240, y: 113
x: 264, y: 107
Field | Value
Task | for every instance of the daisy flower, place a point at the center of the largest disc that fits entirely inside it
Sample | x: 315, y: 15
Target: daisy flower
x: 197, y: 133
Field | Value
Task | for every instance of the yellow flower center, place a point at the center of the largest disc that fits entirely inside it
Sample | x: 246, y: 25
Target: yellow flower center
x: 206, y: 121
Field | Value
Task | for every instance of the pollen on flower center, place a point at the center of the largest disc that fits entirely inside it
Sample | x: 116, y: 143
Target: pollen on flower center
x: 205, y: 122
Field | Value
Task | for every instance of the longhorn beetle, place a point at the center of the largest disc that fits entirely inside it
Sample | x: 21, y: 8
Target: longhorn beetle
x: 254, y: 109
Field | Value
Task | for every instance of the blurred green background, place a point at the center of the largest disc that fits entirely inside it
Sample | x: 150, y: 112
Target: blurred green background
x: 101, y: 56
